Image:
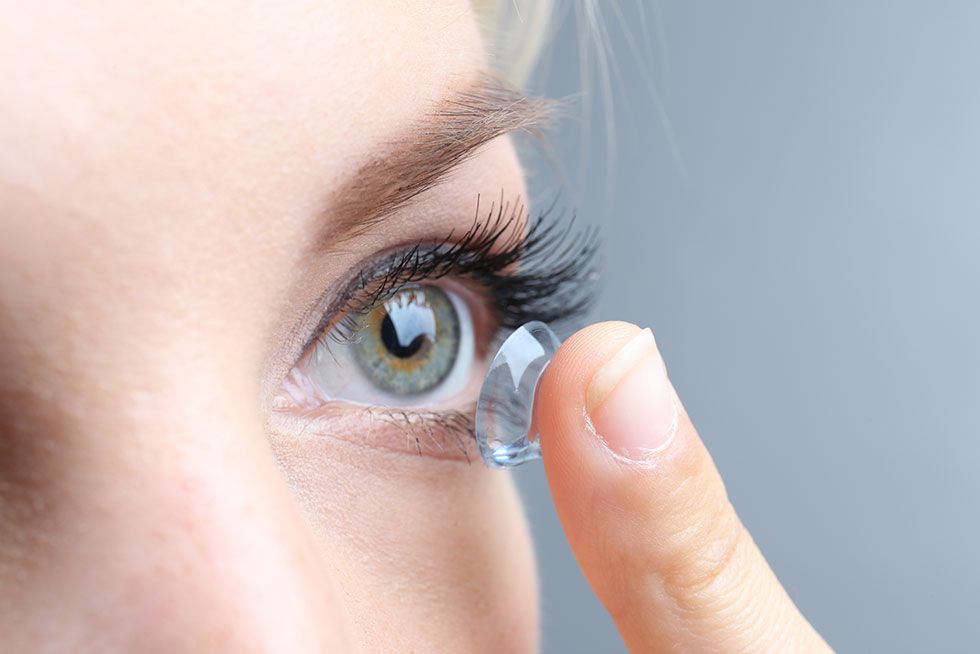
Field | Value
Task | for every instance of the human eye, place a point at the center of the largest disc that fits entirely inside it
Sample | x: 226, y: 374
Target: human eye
x: 408, y: 340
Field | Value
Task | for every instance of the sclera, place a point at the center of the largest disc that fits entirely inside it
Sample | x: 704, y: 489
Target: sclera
x: 505, y: 408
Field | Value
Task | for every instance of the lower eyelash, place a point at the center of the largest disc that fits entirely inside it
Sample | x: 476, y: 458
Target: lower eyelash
x: 432, y: 430
x: 448, y: 434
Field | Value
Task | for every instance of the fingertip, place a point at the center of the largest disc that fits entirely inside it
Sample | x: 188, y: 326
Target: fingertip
x: 562, y: 393
x: 644, y: 508
x: 588, y: 349
x: 576, y: 461
x: 607, y: 386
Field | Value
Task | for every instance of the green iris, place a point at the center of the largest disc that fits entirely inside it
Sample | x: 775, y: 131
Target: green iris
x: 409, y: 344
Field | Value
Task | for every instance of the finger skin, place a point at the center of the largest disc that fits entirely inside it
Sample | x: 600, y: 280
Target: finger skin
x: 655, y: 535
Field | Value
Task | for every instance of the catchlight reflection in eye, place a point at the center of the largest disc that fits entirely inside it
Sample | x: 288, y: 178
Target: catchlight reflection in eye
x: 410, y: 343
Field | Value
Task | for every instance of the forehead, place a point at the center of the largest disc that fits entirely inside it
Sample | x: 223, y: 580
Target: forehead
x: 221, y: 89
x: 144, y: 122
x: 327, y: 52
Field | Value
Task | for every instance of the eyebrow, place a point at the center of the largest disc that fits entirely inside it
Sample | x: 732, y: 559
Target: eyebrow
x: 426, y: 153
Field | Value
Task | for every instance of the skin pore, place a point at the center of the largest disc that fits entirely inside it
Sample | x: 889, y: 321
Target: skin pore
x: 177, y: 187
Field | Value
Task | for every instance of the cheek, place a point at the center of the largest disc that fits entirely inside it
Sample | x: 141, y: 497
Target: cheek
x: 432, y: 555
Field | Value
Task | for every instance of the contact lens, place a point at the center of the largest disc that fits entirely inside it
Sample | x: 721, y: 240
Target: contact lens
x: 505, y: 409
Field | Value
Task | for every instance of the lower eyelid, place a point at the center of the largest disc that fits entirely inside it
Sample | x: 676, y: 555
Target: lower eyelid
x: 437, y: 434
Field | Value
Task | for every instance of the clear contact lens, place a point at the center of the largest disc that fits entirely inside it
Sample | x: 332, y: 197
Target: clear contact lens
x: 504, y: 412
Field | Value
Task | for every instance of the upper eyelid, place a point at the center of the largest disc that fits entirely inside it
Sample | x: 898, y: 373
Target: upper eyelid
x: 561, y: 263
x: 499, y: 218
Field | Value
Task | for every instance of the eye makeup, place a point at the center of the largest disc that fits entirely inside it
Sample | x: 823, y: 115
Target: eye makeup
x: 513, y: 270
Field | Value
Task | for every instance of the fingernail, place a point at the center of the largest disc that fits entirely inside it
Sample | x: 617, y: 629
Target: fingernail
x: 630, y: 401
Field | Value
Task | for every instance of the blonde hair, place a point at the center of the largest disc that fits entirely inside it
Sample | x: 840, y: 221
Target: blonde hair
x: 515, y: 32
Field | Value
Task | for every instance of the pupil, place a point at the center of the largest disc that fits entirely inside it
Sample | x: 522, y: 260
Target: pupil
x: 404, y: 334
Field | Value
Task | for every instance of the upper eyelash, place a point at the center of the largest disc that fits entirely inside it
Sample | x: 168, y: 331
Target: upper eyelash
x: 542, y: 272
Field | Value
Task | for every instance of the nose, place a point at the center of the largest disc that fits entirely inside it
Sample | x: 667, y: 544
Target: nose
x: 157, y: 528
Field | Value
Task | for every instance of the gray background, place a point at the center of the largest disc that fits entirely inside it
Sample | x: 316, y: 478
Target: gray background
x: 808, y: 262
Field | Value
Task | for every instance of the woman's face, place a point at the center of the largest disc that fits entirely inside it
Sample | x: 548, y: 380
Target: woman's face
x: 191, y: 195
